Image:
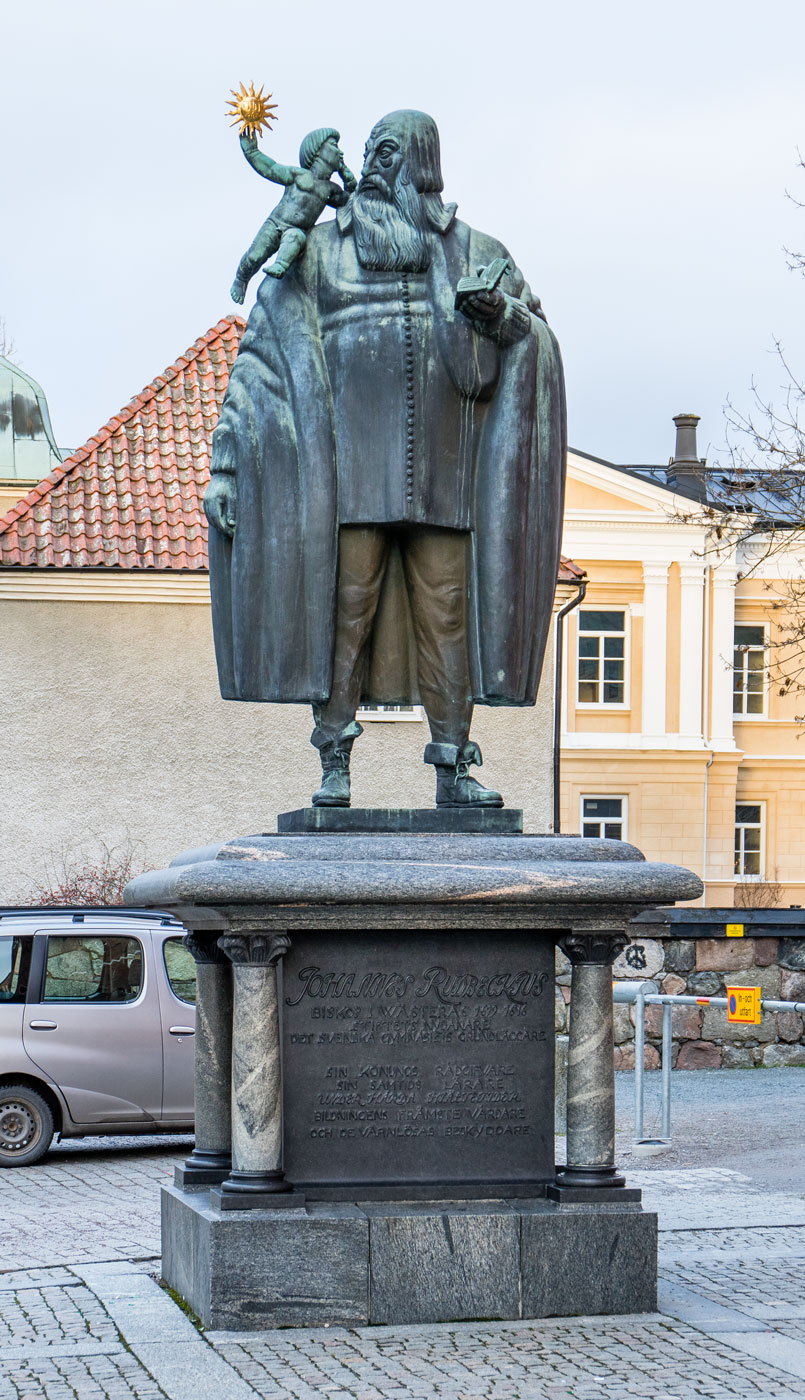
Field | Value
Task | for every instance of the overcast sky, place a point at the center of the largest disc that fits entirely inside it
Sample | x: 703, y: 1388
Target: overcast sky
x: 633, y: 157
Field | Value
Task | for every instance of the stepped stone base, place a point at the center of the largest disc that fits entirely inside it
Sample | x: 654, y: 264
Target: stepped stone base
x: 396, y: 1263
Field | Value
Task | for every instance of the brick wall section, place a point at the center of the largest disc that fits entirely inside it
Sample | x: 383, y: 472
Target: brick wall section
x: 702, y: 1036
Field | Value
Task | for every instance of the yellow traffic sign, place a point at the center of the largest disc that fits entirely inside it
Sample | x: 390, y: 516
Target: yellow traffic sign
x: 735, y: 930
x: 743, y: 1005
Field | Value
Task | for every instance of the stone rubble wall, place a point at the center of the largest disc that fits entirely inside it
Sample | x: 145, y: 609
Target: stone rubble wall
x: 703, y: 1038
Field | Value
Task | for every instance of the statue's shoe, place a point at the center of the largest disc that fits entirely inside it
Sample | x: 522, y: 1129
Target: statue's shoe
x: 453, y: 790
x: 334, y: 791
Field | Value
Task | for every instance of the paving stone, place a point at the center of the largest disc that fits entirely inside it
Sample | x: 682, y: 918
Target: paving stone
x: 727, y: 1250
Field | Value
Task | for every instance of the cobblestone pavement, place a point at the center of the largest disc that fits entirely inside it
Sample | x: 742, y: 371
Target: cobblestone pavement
x: 82, y: 1315
x: 99, y: 1202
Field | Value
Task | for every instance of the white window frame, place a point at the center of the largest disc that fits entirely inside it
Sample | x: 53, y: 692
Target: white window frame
x: 391, y: 714
x: 739, y: 877
x: 595, y: 706
x: 605, y: 797
x: 742, y: 716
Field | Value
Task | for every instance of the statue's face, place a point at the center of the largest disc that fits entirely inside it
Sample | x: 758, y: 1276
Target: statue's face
x: 331, y: 152
x: 382, y: 161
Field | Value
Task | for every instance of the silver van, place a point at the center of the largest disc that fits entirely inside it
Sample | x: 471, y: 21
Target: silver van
x: 97, y: 1018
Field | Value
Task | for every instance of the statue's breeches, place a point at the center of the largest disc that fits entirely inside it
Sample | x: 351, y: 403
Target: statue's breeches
x: 435, y: 564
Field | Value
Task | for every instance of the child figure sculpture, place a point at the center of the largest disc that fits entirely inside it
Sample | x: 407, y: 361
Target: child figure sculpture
x: 309, y: 190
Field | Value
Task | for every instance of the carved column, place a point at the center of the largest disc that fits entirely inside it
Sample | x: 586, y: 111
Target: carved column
x: 256, y: 1178
x: 211, y: 1158
x: 590, y: 1070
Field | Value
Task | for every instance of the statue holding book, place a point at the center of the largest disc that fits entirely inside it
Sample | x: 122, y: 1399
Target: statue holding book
x: 388, y: 469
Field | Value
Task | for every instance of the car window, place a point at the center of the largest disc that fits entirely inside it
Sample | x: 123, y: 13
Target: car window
x: 15, y: 956
x: 97, y: 967
x: 180, y: 968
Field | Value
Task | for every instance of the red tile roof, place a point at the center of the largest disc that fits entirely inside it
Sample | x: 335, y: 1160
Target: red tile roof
x: 570, y: 572
x: 130, y: 498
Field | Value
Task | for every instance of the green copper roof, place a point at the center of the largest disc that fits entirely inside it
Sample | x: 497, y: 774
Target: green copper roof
x: 27, y: 446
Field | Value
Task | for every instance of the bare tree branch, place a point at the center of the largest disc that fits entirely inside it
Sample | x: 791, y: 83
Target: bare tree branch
x: 7, y: 343
x: 753, y: 503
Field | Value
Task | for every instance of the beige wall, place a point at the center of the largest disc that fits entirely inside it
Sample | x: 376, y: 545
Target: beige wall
x: 112, y: 726
x: 12, y: 489
x: 643, y: 553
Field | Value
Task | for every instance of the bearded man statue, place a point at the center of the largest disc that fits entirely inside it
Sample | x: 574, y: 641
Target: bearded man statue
x: 388, y: 475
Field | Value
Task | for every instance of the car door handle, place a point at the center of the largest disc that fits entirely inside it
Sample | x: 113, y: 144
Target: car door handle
x: 182, y: 1030
x: 42, y: 1025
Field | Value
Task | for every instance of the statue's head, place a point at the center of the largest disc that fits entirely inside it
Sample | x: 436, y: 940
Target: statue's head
x: 398, y: 205
x: 316, y: 141
x: 403, y: 139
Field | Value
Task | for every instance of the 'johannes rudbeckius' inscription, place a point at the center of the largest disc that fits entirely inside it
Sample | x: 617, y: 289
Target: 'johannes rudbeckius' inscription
x: 427, y: 1062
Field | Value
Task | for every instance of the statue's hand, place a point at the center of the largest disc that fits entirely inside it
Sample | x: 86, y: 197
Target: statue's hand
x: 248, y: 142
x: 484, y: 306
x: 221, y: 504
x: 350, y: 183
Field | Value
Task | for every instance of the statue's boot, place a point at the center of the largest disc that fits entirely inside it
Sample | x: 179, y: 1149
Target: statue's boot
x: 334, y: 753
x: 454, y: 786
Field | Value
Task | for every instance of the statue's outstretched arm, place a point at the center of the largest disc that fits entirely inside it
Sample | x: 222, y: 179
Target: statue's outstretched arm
x: 263, y: 164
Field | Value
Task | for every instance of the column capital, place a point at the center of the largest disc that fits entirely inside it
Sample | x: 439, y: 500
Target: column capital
x: 691, y: 572
x: 600, y: 949
x: 203, y: 947
x: 654, y: 572
x: 254, y: 949
x: 725, y: 575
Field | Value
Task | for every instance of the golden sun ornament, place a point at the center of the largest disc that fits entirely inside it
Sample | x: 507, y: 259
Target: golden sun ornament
x: 251, y: 110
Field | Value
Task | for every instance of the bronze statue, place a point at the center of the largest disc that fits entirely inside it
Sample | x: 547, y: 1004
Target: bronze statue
x: 309, y: 190
x: 388, y: 474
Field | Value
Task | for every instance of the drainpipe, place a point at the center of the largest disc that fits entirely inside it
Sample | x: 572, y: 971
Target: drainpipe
x: 557, y: 697
x: 706, y: 719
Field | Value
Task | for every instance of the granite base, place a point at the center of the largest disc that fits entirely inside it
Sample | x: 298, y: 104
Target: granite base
x: 490, y: 821
x: 404, y: 1263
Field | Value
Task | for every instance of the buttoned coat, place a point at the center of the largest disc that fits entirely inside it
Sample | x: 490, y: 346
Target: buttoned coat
x: 366, y: 397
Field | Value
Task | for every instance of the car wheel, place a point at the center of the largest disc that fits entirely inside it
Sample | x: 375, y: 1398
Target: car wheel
x: 26, y: 1125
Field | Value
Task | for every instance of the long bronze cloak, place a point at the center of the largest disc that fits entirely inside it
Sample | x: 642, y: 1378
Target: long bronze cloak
x: 274, y: 586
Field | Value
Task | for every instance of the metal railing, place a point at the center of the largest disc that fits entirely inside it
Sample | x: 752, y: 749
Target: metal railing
x: 643, y: 994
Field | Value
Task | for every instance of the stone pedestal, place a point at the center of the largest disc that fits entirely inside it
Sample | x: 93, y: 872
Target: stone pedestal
x: 362, y: 1262
x: 413, y: 1020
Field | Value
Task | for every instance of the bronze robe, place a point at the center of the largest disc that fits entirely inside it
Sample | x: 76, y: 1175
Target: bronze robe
x: 361, y: 396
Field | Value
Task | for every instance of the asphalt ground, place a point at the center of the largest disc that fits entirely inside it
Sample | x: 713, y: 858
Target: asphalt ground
x: 752, y: 1121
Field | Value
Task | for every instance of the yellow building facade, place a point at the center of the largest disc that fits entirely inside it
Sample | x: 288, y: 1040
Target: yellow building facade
x: 674, y: 736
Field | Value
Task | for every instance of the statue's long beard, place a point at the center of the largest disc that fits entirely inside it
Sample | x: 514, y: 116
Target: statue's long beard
x: 391, y: 236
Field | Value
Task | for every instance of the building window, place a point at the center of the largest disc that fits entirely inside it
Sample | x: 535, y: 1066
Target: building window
x: 602, y: 657
x: 604, y: 816
x: 749, y: 823
x: 749, y: 671
x: 393, y: 712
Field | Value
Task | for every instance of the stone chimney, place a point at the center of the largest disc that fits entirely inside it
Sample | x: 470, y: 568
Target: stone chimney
x: 686, y: 468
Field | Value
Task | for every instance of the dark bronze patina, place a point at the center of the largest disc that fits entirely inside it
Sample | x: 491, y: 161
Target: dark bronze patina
x: 388, y: 473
